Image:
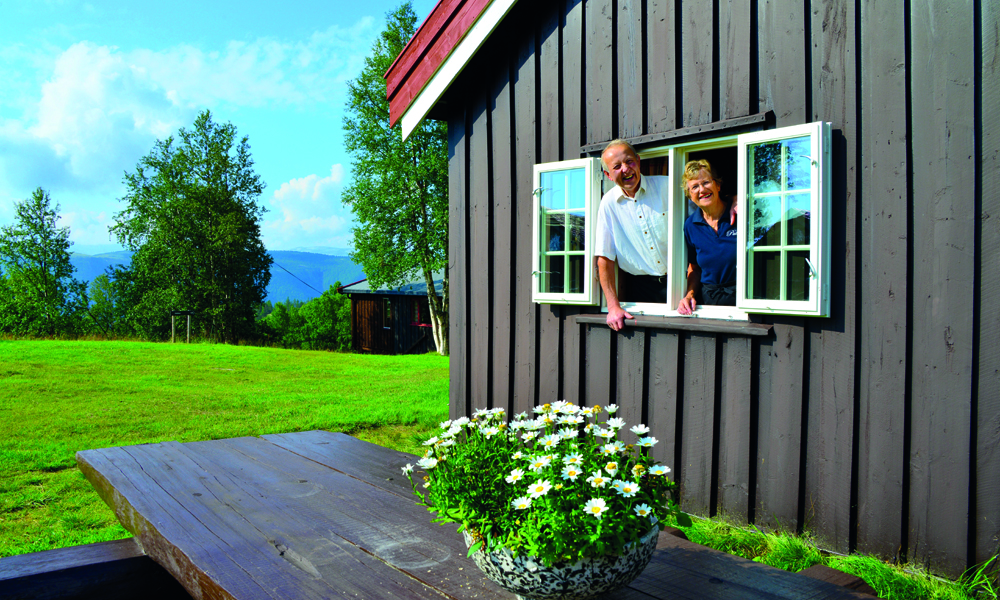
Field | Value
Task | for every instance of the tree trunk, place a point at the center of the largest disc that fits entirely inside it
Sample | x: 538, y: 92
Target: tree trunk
x: 439, y: 311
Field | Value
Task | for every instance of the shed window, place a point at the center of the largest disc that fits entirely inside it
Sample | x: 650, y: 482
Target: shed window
x: 386, y: 313
x: 780, y: 180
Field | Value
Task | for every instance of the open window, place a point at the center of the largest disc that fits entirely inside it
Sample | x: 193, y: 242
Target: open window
x: 565, y: 199
x: 780, y: 181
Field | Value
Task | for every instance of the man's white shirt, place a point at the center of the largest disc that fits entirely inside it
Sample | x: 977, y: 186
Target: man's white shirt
x: 634, y: 230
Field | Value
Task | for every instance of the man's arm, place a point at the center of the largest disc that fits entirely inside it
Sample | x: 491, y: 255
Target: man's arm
x: 606, y: 273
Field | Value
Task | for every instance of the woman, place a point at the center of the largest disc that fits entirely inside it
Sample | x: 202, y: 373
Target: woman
x: 711, y: 242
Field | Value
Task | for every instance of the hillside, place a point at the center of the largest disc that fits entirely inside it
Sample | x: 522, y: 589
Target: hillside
x: 318, y: 271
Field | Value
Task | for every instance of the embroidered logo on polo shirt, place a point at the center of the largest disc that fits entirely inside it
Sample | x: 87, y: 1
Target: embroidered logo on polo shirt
x: 731, y: 232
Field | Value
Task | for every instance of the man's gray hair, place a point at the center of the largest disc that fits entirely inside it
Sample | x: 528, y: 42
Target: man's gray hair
x: 619, y: 142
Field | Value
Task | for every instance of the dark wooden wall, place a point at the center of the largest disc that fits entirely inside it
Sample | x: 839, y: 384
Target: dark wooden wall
x: 369, y: 335
x: 877, y: 429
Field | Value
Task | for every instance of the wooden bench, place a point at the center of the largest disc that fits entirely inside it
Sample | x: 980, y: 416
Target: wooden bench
x: 324, y: 515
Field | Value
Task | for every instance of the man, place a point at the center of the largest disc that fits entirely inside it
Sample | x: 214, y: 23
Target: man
x: 632, y: 229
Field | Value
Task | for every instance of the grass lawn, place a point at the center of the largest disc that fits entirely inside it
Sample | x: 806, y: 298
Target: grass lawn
x: 60, y: 397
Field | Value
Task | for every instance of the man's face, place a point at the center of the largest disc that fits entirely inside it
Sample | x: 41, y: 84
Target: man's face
x: 621, y: 166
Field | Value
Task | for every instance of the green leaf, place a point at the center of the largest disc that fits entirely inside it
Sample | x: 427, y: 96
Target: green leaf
x: 473, y: 548
x: 683, y: 519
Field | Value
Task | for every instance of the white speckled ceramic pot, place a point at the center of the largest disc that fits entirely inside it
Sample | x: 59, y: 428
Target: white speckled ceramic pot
x: 532, y: 580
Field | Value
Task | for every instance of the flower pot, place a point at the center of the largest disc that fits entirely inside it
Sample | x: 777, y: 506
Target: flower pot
x: 532, y: 580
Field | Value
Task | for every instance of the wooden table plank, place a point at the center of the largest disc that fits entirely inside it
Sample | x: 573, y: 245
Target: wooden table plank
x: 230, y: 525
x: 368, y: 462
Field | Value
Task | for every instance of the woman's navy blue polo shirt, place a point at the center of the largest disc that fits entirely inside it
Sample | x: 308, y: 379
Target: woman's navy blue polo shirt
x: 715, y: 250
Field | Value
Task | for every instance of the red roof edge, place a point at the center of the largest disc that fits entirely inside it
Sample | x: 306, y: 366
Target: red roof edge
x: 430, y: 46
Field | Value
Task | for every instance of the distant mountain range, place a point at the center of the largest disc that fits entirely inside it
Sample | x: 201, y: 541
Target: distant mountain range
x: 294, y: 275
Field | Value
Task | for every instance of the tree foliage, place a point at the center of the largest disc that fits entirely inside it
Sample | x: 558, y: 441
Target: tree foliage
x: 399, y: 189
x: 323, y: 323
x: 193, y: 223
x: 38, y: 294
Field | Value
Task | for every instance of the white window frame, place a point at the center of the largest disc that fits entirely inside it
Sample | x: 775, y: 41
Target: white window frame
x: 591, y: 289
x: 820, y: 206
x: 818, y: 303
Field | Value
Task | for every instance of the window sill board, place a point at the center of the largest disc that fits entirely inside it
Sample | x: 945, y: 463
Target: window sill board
x: 685, y: 324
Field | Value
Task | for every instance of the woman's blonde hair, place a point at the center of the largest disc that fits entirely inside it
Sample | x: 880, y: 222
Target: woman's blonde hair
x: 692, y: 168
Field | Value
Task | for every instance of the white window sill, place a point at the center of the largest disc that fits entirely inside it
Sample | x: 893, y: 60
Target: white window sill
x: 685, y: 324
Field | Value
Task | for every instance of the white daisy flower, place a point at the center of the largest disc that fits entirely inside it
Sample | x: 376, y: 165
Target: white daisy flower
x: 628, y: 489
x: 521, y: 503
x: 596, y: 507
x: 573, y: 459
x: 611, y: 468
x: 597, y: 479
x: 515, y: 476
x: 643, y: 510
x: 460, y: 422
x: 539, y: 488
x: 609, y: 449
x: 550, y: 441
x: 659, y: 470
x: 606, y: 434
x: 427, y: 463
x: 490, y: 431
x: 587, y: 411
x: 520, y: 416
x: 617, y: 485
x: 611, y: 408
x: 539, y: 463
x: 647, y: 442
x: 539, y: 409
x: 571, y: 472
x: 616, y: 423
x: 407, y: 469
x: 432, y: 441
x: 566, y: 433
x: 529, y: 435
x: 518, y: 455
x: 446, y: 424
x: 640, y: 430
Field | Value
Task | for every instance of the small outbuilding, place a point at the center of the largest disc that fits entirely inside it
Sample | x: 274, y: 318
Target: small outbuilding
x: 391, y: 320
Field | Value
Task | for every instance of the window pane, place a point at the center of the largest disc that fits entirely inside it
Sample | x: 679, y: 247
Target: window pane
x: 577, y: 229
x: 764, y: 279
x: 798, y: 218
x: 767, y: 221
x: 553, y: 232
x: 576, y: 264
x: 798, y: 165
x: 551, y: 274
x: 564, y: 189
x: 766, y: 162
x: 798, y: 275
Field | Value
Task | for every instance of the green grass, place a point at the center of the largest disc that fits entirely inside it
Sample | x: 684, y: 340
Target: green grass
x: 796, y: 553
x: 58, y: 397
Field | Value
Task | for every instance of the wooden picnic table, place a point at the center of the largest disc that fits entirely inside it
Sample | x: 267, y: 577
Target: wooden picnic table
x: 324, y: 515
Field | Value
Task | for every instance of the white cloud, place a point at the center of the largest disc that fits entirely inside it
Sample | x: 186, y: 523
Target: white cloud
x: 307, y: 211
x: 102, y: 107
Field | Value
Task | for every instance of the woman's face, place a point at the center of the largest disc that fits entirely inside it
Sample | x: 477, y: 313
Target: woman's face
x: 703, y: 190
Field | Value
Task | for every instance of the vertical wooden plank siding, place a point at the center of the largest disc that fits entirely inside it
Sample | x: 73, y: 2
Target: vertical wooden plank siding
x: 697, y: 66
x: 883, y: 215
x: 783, y: 81
x: 697, y: 427
x: 524, y: 159
x: 503, y: 238
x: 458, y: 393
x: 943, y: 147
x: 572, y: 139
x: 663, y: 386
x: 600, y: 87
x: 987, y: 458
x: 780, y: 427
x: 631, y: 375
x: 631, y: 68
x: 830, y: 417
x: 598, y: 366
x: 479, y: 252
x: 734, y: 428
x: 783, y: 70
x: 549, y: 333
x: 735, y: 54
x: 661, y: 102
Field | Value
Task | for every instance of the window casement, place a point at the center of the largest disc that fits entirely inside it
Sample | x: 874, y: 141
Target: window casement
x: 565, y: 199
x: 780, y: 179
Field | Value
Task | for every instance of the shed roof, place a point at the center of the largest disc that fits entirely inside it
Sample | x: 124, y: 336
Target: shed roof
x: 437, y: 53
x: 412, y: 287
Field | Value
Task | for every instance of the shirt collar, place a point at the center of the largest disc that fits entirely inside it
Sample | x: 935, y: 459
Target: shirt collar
x: 641, y: 190
x: 697, y: 217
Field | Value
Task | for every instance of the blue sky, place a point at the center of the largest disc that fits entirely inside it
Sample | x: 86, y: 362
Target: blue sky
x: 86, y: 88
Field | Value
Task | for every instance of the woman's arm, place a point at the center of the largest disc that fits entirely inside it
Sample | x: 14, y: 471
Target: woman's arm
x: 688, y: 304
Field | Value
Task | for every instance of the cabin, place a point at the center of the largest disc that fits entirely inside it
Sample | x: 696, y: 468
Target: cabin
x: 849, y: 393
x: 391, y: 320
